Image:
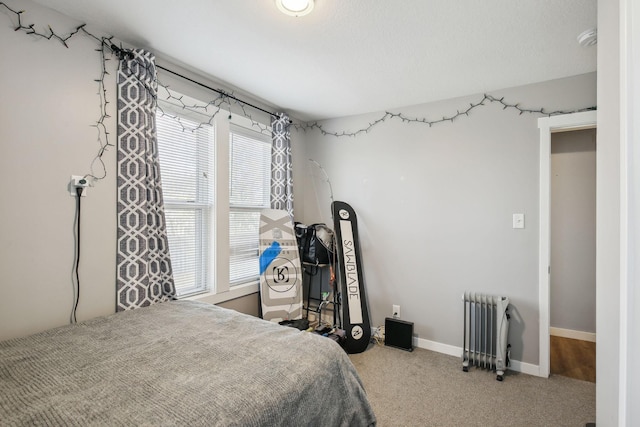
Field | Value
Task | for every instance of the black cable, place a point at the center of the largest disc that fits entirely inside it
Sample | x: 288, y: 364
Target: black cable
x: 124, y: 54
x: 77, y: 260
x: 218, y: 91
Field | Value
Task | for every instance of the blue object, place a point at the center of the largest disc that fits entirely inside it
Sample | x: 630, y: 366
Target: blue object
x: 269, y: 255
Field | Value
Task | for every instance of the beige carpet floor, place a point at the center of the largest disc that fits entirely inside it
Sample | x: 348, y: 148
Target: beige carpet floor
x: 425, y: 388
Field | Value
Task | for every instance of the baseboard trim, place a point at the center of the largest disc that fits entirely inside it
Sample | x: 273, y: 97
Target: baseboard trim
x: 570, y: 333
x: 452, y: 350
x: 525, y: 368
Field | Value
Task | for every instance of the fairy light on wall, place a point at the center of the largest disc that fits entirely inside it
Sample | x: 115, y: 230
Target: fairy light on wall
x: 107, y: 49
x: 212, y: 108
x: 486, y: 99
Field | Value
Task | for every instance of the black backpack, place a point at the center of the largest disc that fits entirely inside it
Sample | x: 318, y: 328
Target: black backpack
x: 315, y: 243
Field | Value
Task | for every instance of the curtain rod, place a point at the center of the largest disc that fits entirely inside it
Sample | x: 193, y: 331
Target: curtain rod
x: 218, y: 91
x: 125, y: 53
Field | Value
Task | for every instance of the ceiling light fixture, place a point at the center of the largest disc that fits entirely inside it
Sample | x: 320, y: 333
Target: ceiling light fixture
x: 295, y: 7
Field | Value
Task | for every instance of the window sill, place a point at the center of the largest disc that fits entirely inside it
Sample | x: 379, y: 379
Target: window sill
x: 233, y: 293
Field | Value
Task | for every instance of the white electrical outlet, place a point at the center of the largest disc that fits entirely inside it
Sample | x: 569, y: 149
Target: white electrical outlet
x: 396, y: 311
x: 78, y: 181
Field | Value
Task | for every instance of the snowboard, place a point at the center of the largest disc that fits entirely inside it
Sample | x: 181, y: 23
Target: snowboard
x: 280, y: 272
x: 355, y: 315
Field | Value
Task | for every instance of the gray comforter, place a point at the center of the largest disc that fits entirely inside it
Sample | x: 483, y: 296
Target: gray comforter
x: 179, y: 363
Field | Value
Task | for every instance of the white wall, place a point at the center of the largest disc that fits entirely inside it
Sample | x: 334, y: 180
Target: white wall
x: 49, y: 103
x: 608, y: 216
x: 435, y: 207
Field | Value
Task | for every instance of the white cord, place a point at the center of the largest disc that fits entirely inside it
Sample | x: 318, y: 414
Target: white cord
x: 378, y: 335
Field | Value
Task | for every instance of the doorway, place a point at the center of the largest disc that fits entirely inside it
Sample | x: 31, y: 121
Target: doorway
x: 573, y: 254
x: 547, y: 126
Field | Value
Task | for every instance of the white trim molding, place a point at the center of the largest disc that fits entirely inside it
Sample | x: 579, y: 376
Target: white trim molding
x: 573, y: 334
x: 629, y: 372
x: 452, y: 350
x: 547, y: 126
x: 232, y: 293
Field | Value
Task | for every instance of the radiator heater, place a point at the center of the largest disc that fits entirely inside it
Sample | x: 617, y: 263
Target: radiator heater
x: 486, y: 326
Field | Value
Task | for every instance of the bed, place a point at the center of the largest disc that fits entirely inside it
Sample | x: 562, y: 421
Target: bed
x: 179, y: 363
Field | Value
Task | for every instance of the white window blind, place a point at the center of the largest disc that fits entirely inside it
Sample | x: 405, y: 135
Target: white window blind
x: 249, y: 192
x: 186, y: 163
x: 207, y: 253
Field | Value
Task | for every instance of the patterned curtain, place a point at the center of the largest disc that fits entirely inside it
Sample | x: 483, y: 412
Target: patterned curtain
x: 143, y: 274
x: 281, y: 169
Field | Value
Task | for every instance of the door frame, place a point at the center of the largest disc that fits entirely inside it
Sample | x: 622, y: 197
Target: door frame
x: 547, y: 126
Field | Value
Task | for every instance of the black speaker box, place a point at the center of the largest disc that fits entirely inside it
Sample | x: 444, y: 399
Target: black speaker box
x: 398, y: 334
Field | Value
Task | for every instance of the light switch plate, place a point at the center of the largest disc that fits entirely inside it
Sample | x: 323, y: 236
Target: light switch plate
x: 518, y: 220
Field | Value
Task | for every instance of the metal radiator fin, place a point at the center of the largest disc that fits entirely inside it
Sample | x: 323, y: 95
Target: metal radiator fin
x: 486, y: 327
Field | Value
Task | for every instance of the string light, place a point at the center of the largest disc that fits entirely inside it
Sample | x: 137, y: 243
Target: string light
x: 106, y: 47
x: 445, y: 119
x: 100, y: 125
x: 29, y: 29
x: 216, y: 103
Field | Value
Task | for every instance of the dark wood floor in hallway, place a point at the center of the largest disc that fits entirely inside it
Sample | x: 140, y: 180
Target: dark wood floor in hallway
x: 573, y: 358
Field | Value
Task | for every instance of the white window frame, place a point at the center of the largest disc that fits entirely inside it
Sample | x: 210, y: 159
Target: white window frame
x: 203, y: 204
x: 223, y: 289
x: 218, y: 279
x: 245, y: 132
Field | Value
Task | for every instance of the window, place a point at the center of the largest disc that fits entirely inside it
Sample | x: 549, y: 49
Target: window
x: 215, y: 182
x: 187, y: 187
x: 249, y: 192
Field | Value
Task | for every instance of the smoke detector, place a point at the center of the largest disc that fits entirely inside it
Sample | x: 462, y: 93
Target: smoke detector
x: 588, y: 37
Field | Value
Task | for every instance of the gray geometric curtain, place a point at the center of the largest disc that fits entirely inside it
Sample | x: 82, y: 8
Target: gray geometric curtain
x: 281, y: 168
x: 143, y: 275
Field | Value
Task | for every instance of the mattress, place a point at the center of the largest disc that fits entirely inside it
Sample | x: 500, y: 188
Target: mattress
x: 179, y: 363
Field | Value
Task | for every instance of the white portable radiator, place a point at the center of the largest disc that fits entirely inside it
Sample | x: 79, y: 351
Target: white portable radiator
x: 486, y: 326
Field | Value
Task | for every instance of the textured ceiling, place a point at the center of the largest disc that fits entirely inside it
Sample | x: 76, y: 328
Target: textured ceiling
x: 355, y: 56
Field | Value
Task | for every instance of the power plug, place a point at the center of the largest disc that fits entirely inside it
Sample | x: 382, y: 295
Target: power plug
x: 396, y: 311
x: 78, y: 181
